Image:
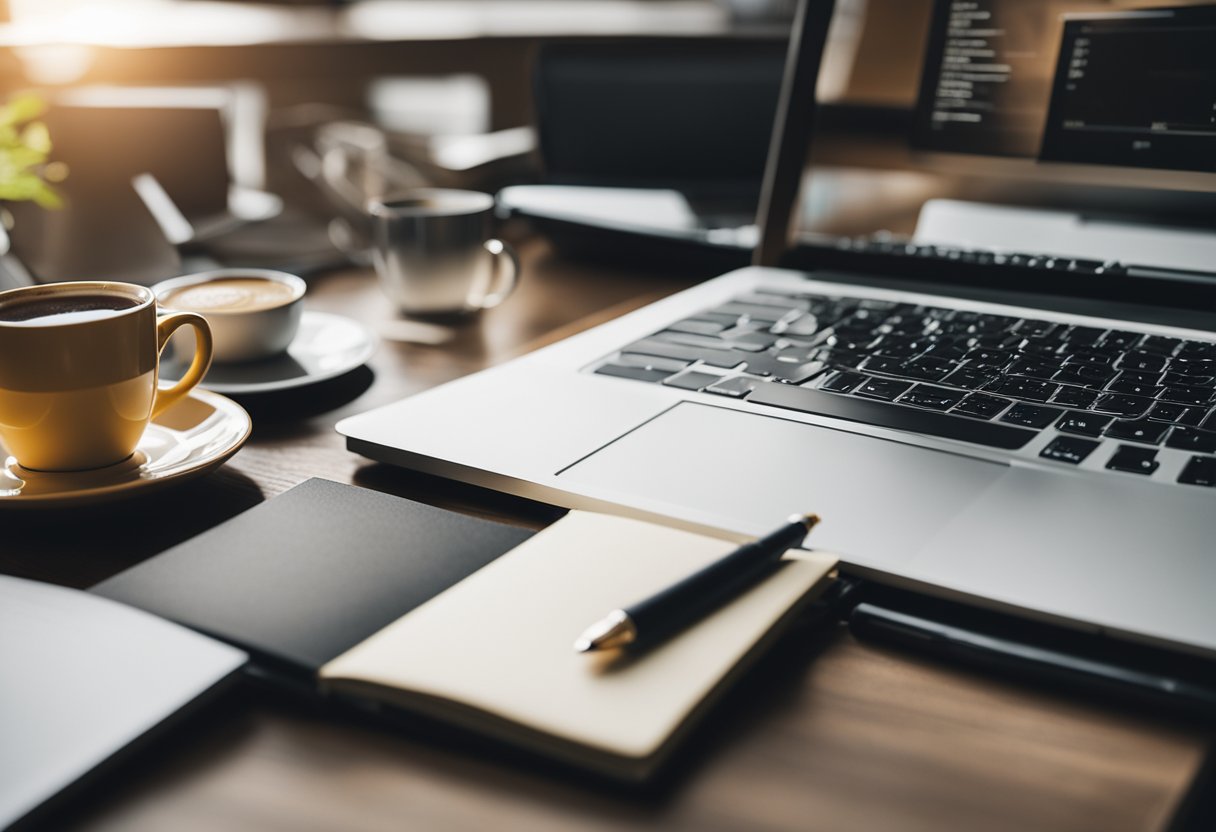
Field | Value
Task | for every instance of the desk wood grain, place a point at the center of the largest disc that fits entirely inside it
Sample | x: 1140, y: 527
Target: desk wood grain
x: 826, y: 734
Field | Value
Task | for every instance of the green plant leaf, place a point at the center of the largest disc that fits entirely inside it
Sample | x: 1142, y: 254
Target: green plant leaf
x: 22, y: 108
x: 24, y: 147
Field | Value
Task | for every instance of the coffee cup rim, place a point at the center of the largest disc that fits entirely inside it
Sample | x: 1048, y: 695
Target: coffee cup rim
x: 144, y: 295
x: 471, y: 202
x: 173, y: 284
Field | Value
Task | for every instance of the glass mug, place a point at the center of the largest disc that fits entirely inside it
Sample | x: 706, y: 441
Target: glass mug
x: 434, y: 254
x: 78, y: 371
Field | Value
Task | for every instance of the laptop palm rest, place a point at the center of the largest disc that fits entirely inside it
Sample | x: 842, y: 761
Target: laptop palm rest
x: 880, y: 500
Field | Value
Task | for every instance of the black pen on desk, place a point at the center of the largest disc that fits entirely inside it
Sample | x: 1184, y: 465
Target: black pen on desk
x: 690, y: 599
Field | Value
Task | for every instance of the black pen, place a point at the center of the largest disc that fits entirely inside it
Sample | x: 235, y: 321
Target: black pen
x: 688, y: 600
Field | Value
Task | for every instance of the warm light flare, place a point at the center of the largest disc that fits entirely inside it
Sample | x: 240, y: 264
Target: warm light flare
x: 134, y: 23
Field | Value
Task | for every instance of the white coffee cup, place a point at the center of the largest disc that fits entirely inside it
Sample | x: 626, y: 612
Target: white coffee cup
x: 253, y: 313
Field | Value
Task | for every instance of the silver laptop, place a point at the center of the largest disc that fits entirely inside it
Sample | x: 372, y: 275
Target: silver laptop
x: 958, y: 432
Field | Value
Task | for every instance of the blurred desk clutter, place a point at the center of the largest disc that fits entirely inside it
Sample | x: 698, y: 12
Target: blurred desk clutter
x: 354, y: 202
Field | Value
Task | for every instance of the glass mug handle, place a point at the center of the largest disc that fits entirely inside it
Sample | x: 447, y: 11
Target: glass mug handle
x: 165, y: 327
x: 506, y: 273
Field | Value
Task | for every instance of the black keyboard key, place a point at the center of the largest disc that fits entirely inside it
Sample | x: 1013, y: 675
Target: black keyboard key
x: 1083, y: 336
x: 884, y: 365
x: 1026, y: 389
x: 897, y: 346
x: 1173, y: 379
x: 1138, y: 431
x: 1085, y: 266
x: 882, y: 388
x: 969, y: 378
x: 934, y: 398
x: 736, y: 387
x: 982, y: 406
x: 1176, y: 413
x: 1068, y: 449
x: 1133, y: 460
x: 1209, y: 423
x: 1038, y: 348
x: 1159, y: 344
x: 1193, y: 366
x: 1083, y: 424
x: 1070, y: 396
x: 1030, y: 416
x: 1088, y: 357
x: 1034, y: 368
x: 1094, y: 376
x: 692, y: 380
x: 928, y: 368
x: 842, y: 382
x: 1189, y: 439
x: 1134, y: 388
x: 1197, y: 349
x: 1119, y: 339
x: 892, y: 416
x: 1196, y: 396
x: 1119, y: 404
x: 945, y: 347
x: 1201, y: 470
x: 635, y: 373
x: 1142, y: 361
x: 1033, y: 328
x: 844, y: 359
x: 1140, y: 376
x: 992, y: 358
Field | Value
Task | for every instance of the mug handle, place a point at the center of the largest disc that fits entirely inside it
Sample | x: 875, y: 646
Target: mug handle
x: 506, y: 273
x: 165, y: 327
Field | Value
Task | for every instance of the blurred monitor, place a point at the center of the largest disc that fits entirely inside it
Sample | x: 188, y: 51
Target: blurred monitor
x: 692, y: 114
x: 1136, y: 89
x: 988, y: 73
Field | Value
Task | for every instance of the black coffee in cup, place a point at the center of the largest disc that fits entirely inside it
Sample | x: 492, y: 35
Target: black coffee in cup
x: 65, y: 309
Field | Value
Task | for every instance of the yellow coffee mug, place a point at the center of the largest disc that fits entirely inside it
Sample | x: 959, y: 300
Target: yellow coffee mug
x: 78, y: 370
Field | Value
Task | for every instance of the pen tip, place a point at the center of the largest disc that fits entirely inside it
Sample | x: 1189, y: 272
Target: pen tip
x: 808, y: 521
x: 582, y: 645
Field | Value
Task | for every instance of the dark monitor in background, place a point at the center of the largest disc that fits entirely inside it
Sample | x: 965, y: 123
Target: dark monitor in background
x: 1136, y: 89
x: 688, y: 114
x: 988, y: 72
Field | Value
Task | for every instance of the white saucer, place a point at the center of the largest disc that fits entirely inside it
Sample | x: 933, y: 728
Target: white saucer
x: 326, y: 346
x: 189, y: 439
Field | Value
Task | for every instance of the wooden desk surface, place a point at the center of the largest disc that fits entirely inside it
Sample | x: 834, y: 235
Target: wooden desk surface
x: 827, y: 734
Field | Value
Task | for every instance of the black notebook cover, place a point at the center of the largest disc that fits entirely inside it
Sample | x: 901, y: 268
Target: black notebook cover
x: 304, y: 577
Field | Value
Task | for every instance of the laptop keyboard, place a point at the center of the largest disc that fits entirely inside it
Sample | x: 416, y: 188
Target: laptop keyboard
x: 989, y: 379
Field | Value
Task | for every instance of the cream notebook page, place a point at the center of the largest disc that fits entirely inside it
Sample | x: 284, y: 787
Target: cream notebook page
x: 501, y: 640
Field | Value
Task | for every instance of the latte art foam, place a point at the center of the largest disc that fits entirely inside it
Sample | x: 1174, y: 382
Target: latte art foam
x: 238, y: 294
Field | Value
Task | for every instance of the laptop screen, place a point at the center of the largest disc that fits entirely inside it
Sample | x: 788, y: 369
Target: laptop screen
x: 1056, y: 129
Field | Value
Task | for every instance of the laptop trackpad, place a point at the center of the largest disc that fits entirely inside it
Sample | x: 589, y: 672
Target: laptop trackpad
x: 880, y: 500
